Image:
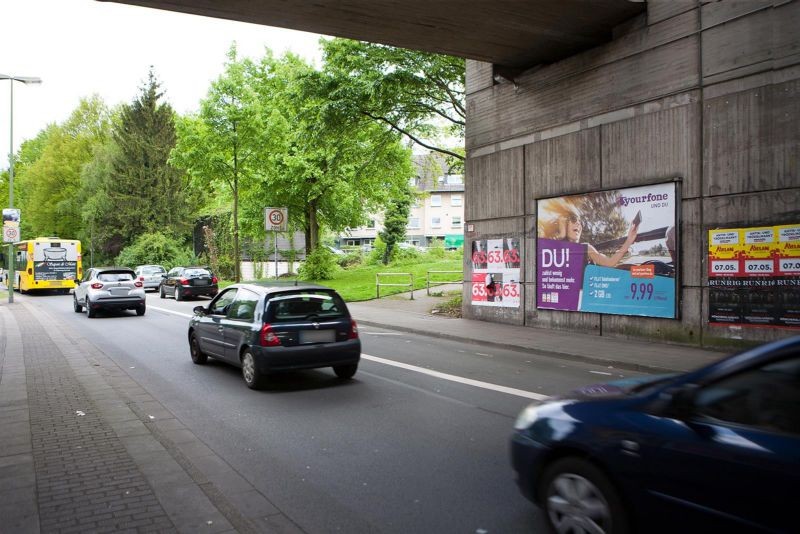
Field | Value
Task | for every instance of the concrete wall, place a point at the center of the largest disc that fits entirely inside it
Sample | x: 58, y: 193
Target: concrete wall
x: 703, y: 92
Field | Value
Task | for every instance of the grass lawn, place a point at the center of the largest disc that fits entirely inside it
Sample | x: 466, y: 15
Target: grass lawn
x: 357, y: 283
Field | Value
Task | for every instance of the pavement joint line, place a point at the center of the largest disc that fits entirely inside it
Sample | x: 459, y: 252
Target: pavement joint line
x: 92, y: 354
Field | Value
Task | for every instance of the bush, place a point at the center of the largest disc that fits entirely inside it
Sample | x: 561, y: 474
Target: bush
x: 375, y: 256
x: 350, y: 259
x: 155, y: 248
x: 436, y: 248
x: 319, y: 265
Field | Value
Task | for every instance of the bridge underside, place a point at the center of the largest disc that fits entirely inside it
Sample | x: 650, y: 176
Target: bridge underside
x: 508, y: 33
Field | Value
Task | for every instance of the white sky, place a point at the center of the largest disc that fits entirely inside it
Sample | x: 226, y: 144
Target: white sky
x: 82, y: 47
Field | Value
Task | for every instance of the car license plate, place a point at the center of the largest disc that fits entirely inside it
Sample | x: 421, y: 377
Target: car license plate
x: 200, y: 282
x: 317, y: 336
x: 119, y: 291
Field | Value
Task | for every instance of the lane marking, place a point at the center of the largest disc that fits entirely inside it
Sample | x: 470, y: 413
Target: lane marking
x: 600, y: 373
x: 382, y: 333
x: 422, y: 370
x: 172, y: 312
x: 460, y: 380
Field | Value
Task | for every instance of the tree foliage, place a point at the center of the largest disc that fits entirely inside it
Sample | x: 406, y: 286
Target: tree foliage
x: 155, y: 248
x: 395, y: 222
x: 418, y: 94
x: 138, y: 191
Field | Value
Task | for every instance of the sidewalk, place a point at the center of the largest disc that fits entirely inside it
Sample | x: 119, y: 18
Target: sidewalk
x: 83, y: 447
x: 401, y: 313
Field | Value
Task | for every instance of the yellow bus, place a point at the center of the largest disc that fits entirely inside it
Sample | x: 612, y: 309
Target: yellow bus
x: 47, y: 263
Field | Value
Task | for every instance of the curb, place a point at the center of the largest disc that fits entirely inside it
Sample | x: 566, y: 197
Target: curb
x: 628, y: 366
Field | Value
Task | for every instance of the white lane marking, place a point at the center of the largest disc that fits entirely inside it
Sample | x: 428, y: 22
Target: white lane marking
x: 173, y: 312
x: 460, y: 380
x: 437, y: 374
x: 600, y: 373
x: 381, y: 333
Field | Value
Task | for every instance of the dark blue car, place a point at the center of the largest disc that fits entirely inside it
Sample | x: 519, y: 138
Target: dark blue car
x: 714, y: 450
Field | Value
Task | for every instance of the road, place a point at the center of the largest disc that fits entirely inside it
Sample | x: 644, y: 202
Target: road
x: 416, y: 442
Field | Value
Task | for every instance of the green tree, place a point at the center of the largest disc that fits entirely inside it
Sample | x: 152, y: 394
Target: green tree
x: 395, y: 222
x: 219, y: 147
x: 143, y: 192
x: 329, y: 173
x: 49, y: 177
x: 418, y: 94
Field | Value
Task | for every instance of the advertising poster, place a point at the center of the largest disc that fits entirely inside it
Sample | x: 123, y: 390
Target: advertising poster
x: 55, y: 261
x: 754, y: 276
x: 495, y: 272
x: 609, y: 252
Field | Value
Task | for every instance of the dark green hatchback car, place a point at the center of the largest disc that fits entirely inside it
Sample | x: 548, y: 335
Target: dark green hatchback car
x: 268, y: 327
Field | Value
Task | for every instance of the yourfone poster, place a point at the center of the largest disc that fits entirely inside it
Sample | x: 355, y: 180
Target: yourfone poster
x: 495, y: 272
x: 613, y: 251
x: 754, y: 276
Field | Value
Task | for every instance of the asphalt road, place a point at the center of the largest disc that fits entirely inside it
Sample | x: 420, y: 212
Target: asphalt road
x: 416, y: 442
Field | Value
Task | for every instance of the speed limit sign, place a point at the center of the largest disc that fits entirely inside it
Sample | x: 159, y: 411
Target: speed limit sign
x: 276, y: 219
x: 10, y: 234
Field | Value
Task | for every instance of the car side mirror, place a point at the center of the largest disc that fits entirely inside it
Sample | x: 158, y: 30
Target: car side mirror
x: 164, y: 276
x: 200, y: 310
x: 681, y: 403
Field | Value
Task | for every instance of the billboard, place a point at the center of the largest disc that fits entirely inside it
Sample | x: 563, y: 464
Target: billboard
x: 754, y: 276
x: 611, y: 251
x: 495, y: 272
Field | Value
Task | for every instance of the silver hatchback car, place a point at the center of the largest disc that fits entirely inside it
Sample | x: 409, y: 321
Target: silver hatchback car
x: 109, y: 288
x: 150, y: 275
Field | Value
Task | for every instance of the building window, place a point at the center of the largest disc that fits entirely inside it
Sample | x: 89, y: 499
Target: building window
x: 456, y: 221
x: 455, y: 200
x: 436, y: 200
x: 436, y: 222
x: 413, y: 222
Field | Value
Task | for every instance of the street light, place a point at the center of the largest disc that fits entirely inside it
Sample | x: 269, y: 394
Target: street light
x: 26, y: 80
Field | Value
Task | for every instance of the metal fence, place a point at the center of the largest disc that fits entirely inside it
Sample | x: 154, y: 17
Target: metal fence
x: 378, y: 282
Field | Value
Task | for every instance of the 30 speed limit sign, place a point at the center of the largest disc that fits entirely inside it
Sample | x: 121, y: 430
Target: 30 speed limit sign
x: 276, y: 219
x: 10, y: 234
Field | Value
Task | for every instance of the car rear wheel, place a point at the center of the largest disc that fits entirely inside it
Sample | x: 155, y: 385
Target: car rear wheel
x: 252, y: 377
x: 178, y: 294
x: 578, y: 497
x: 198, y: 356
x: 141, y: 309
x: 77, y: 307
x: 345, y: 371
x: 161, y: 292
x: 90, y: 312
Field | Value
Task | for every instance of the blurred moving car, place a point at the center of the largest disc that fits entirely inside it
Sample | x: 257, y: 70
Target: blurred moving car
x: 714, y: 450
x: 274, y: 326
x: 149, y: 275
x: 109, y: 288
x: 185, y: 282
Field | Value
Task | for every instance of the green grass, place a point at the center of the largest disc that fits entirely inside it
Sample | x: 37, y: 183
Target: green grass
x: 357, y: 283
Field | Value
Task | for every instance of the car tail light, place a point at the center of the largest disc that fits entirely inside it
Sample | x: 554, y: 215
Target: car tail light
x: 184, y: 282
x: 97, y: 285
x: 141, y: 278
x: 213, y: 279
x: 268, y: 337
x: 138, y: 284
x: 353, y: 330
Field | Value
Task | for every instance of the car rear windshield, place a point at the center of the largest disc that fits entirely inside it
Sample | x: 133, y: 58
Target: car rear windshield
x: 197, y: 272
x: 115, y: 276
x: 152, y: 270
x: 310, y: 305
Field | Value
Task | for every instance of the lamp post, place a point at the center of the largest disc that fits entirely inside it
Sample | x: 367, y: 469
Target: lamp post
x: 26, y: 80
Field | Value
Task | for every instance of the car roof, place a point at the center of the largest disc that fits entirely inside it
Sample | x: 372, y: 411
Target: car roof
x: 760, y: 355
x: 106, y: 269
x: 275, y: 286
x: 149, y: 265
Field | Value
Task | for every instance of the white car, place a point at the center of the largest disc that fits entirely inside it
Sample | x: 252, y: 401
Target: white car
x: 109, y: 288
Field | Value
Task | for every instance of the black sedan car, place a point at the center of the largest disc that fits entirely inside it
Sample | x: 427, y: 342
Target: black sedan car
x: 264, y: 328
x: 185, y: 282
x: 714, y: 450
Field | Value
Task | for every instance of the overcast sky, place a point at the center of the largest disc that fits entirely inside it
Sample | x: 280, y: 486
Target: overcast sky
x: 82, y: 47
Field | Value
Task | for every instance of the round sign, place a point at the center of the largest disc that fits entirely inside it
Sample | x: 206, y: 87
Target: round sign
x: 10, y: 233
x: 276, y: 217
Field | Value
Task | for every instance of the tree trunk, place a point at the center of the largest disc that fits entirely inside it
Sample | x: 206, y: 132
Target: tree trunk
x: 313, y: 227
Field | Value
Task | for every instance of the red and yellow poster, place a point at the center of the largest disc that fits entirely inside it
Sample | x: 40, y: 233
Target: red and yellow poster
x: 754, y: 276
